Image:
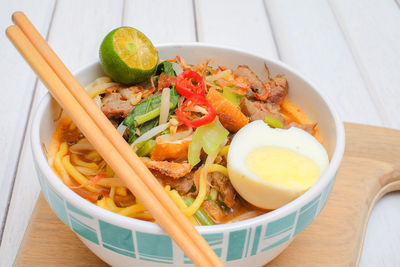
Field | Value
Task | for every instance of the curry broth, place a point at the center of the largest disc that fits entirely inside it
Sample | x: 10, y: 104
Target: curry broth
x: 67, y: 132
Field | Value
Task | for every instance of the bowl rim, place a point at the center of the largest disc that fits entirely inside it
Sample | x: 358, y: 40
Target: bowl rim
x: 132, y: 223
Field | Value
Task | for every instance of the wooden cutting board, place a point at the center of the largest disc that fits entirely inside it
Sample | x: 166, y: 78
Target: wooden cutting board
x: 370, y: 169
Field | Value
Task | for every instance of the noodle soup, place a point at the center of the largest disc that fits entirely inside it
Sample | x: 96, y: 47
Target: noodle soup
x: 164, y: 128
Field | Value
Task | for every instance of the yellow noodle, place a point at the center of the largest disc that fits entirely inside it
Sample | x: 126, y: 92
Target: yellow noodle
x: 58, y: 163
x: 112, y: 192
x: 55, y: 141
x: 144, y: 216
x: 75, y: 159
x: 218, y: 159
x: 174, y: 195
x: 224, y: 151
x: 79, y: 177
x: 111, y: 205
x: 189, y: 211
x: 218, y: 168
x: 102, y: 203
x: 109, y: 171
x: 132, y: 210
x: 87, y: 171
x: 93, y: 155
x: 84, y: 139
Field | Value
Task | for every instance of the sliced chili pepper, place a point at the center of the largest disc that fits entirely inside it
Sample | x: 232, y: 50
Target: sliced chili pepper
x: 196, y: 100
x: 185, y: 85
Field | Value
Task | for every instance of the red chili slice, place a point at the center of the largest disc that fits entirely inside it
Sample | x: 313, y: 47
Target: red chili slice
x: 185, y: 85
x: 196, y: 100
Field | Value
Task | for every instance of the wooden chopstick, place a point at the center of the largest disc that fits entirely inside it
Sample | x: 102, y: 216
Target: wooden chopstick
x: 101, y: 120
x: 170, y: 217
x: 110, y: 132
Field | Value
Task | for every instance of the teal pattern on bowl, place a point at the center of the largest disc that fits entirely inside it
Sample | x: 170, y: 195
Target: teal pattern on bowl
x: 158, y: 248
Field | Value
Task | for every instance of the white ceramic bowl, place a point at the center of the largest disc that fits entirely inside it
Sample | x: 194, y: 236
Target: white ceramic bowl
x: 122, y: 241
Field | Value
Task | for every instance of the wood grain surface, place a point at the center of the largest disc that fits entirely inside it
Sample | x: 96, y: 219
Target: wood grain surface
x: 370, y: 169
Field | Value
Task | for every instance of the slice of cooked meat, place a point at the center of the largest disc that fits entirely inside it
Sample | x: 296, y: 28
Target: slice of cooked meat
x: 113, y: 107
x: 261, y: 90
x: 221, y: 183
x: 72, y: 137
x: 224, y: 187
x: 280, y: 80
x: 257, y: 110
x: 172, y: 169
x: 165, y: 80
x: 279, y: 90
x: 124, y: 201
x: 213, y: 209
x: 196, y: 180
x: 309, y: 128
x: 182, y: 185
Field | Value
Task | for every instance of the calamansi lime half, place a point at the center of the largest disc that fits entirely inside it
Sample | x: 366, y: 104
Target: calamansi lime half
x: 128, y: 56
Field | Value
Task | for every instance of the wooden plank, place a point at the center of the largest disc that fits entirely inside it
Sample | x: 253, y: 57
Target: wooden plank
x: 73, y: 251
x: 310, y: 40
x: 333, y: 238
x: 382, y: 238
x: 76, y: 32
x: 236, y: 23
x: 18, y: 84
x: 162, y: 21
x: 371, y: 29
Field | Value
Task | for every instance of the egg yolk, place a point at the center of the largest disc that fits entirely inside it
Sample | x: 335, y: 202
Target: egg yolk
x: 283, y: 167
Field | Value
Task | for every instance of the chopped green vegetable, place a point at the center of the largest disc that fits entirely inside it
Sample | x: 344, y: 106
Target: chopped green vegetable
x: 200, y: 214
x: 194, y: 150
x: 146, y: 111
x: 215, y: 82
x: 273, y: 122
x: 146, y: 148
x: 149, y: 115
x: 231, y: 96
x: 209, y: 137
x: 213, y: 135
x: 213, y: 194
x: 208, y: 73
x: 165, y: 67
x: 142, y: 129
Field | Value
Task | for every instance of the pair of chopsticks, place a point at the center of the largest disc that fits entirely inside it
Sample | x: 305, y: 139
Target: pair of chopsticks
x: 107, y: 141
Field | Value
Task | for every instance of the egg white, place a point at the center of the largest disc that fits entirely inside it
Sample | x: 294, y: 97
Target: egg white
x: 256, y: 190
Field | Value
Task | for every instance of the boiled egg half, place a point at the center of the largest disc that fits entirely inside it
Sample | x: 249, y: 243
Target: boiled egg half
x: 270, y: 167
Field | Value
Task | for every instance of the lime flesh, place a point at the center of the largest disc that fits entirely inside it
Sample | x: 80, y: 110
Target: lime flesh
x: 128, y: 56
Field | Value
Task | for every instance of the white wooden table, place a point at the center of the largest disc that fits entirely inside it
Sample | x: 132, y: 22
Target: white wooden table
x: 349, y: 48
